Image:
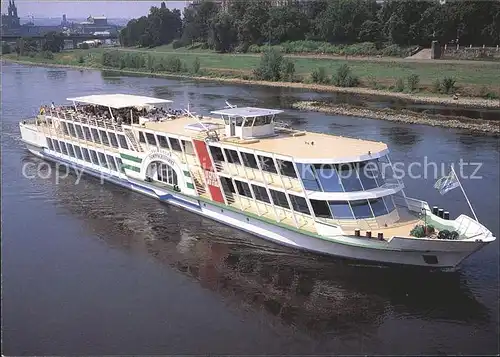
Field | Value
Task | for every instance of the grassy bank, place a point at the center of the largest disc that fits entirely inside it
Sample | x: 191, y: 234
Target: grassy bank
x: 376, y: 77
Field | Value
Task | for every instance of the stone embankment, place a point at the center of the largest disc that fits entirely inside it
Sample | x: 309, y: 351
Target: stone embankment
x: 485, y: 126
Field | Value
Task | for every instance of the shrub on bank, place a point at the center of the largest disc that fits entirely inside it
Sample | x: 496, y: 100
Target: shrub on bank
x: 448, y: 85
x: 413, y: 80
x: 345, y: 78
x: 196, y: 65
x: 270, y: 67
x: 400, y: 85
x: 319, y: 76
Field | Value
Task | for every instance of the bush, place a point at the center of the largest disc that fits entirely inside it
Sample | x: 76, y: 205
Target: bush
x: 47, y: 55
x: 81, y: 59
x: 173, y: 64
x: 400, y: 85
x: 413, y: 81
x: 177, y: 44
x: 254, y: 49
x: 270, y: 67
x: 319, y: 76
x: 485, y: 93
x: 344, y: 77
x: 204, y: 46
x: 418, y: 231
x: 196, y: 65
x: 448, y: 84
x: 287, y: 70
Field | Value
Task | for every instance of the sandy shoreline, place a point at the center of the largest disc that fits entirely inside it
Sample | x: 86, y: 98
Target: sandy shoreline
x: 467, y: 102
x: 408, y: 117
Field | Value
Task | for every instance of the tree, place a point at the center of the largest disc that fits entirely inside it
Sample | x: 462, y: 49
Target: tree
x: 223, y: 34
x: 287, y: 23
x: 54, y: 42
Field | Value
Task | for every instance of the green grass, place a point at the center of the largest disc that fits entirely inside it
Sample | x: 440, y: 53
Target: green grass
x: 469, y: 77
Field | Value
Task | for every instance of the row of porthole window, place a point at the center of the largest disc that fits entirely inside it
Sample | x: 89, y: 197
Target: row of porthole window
x: 98, y: 136
x: 92, y: 156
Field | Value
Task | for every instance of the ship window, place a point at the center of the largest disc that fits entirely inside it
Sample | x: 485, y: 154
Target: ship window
x: 378, y: 207
x: 78, y: 152
x: 151, y: 139
x: 123, y: 141
x: 142, y: 139
x: 279, y: 199
x: 71, y: 151
x: 267, y: 164
x: 361, y: 209
x: 65, y: 127
x: 102, y: 159
x: 232, y: 156
x: 243, y: 188
x: 162, y: 141
x: 368, y: 172
x: 321, y: 209
x: 112, y: 139
x: 104, y: 137
x: 328, y: 177
x: 111, y: 162
x: 86, y: 155
x: 188, y: 147
x: 286, y: 168
x: 389, y: 203
x: 261, y: 193
x: 216, y: 153
x: 299, y: 204
x: 95, y: 134
x: 227, y: 185
x: 49, y: 144
x: 176, y: 146
x: 249, y: 160
x: 56, y: 145
x: 308, y: 177
x: 72, y: 131
x: 340, y: 209
x: 93, y: 154
x: 349, y: 177
x: 167, y: 174
x: 79, y: 131
x: 119, y: 164
x: 63, y: 148
x: 86, y: 131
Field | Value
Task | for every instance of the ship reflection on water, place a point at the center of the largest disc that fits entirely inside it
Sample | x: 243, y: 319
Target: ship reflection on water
x: 314, y: 293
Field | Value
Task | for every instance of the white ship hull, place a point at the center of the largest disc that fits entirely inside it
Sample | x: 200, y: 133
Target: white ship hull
x: 446, y: 254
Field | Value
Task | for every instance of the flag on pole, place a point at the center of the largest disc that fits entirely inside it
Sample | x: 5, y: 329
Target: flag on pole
x: 447, y: 183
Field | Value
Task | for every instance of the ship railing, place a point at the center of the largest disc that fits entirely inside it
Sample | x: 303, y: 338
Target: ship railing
x: 98, y: 121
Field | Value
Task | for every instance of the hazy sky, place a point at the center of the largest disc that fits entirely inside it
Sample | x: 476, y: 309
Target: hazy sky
x: 82, y: 9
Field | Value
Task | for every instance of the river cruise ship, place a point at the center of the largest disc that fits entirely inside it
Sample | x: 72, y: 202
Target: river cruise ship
x: 246, y: 169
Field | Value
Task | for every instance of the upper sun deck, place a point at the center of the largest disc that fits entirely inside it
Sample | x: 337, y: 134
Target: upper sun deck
x: 303, y: 146
x: 118, y: 101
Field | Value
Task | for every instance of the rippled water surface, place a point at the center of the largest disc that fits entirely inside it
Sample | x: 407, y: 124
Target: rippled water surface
x: 95, y: 269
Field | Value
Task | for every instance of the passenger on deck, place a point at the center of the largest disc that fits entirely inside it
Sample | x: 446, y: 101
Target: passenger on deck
x: 53, y: 106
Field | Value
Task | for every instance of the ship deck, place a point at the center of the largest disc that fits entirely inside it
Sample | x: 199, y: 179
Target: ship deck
x: 297, y: 144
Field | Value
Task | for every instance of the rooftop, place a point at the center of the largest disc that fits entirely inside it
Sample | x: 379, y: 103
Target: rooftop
x: 247, y: 112
x: 306, y: 145
x: 118, y: 101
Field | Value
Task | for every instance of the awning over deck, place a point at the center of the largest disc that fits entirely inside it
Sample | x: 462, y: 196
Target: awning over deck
x: 247, y: 112
x: 118, y: 101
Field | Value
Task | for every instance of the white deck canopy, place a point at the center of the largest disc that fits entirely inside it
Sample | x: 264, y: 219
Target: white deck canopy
x: 247, y: 112
x: 118, y: 101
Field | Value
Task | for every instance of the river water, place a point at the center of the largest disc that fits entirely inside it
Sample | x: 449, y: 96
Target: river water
x: 93, y: 269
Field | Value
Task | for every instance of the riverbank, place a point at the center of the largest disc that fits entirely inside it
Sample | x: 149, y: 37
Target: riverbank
x: 404, y: 116
x: 221, y: 76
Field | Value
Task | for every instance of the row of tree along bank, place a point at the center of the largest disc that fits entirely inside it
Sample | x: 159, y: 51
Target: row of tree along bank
x: 244, y: 25
x: 403, y: 116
